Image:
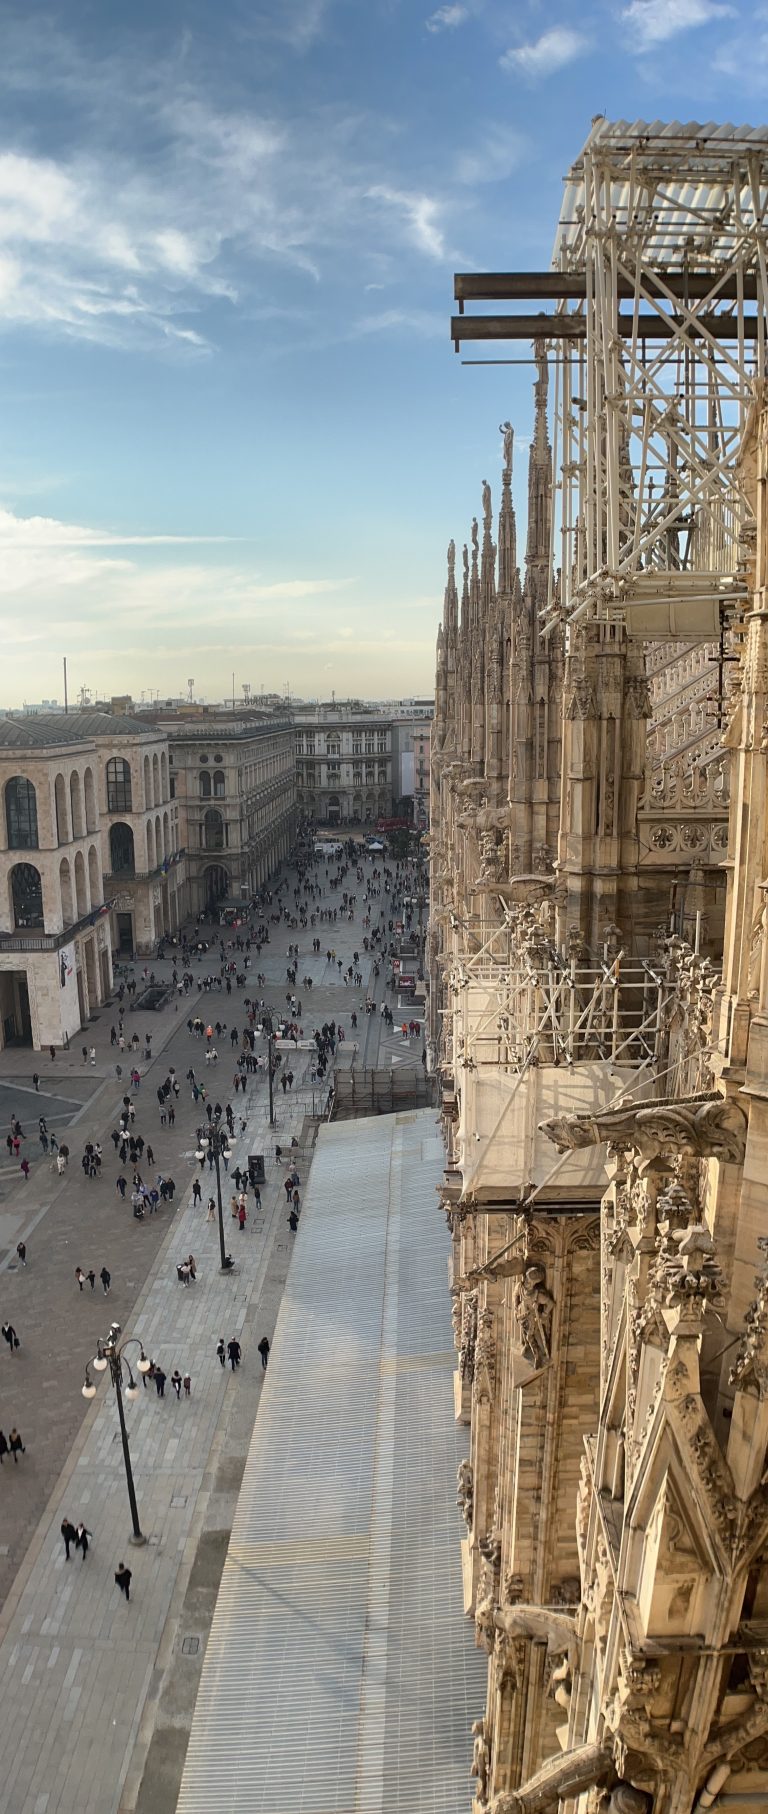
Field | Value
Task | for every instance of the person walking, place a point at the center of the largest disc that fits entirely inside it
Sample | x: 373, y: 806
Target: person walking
x: 36, y: 1080
x: 221, y: 1351
x: 234, y: 1351
x: 16, y: 1445
x: 187, y: 1384
x: 80, y: 1276
x: 196, y: 1192
x: 69, y: 1534
x: 81, y: 1539
x: 160, y: 1379
x: 211, y: 1217
x: 293, y: 1221
x: 3, y: 1446
x: 123, y: 1578
x: 91, y: 1277
x: 176, y: 1381
x: 21, y: 1249
x: 9, y: 1334
x: 242, y: 1217
x: 24, y: 1168
x: 121, y: 1185
x: 264, y: 1351
x: 106, y: 1279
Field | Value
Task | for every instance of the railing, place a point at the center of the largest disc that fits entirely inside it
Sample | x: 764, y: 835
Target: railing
x: 53, y: 941
x: 118, y: 877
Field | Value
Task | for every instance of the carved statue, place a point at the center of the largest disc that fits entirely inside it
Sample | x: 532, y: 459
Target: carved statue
x: 475, y: 543
x: 481, y: 1759
x: 451, y: 556
x: 486, y: 504
x: 465, y: 1493
x: 533, y: 1305
x: 506, y: 429
x: 569, y: 1773
x: 491, y: 858
x: 709, y: 1126
x: 555, y: 1629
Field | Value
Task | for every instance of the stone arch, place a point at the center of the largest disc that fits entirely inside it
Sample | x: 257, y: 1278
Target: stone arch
x: 147, y: 783
x: 205, y: 784
x: 81, y: 886
x: 65, y: 892
x: 219, y: 783
x: 76, y: 805
x: 21, y: 814
x: 94, y: 876
x: 91, y: 812
x: 164, y: 775
x: 62, y: 814
x: 166, y: 835
x: 155, y: 780
x: 158, y: 839
x: 216, y: 883
x: 150, y: 845
x: 26, y: 886
x: 122, y: 855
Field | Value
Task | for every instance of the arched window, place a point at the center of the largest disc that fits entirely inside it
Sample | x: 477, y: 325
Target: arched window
x: 91, y: 822
x: 62, y: 819
x: 158, y: 840
x: 147, y: 783
x: 164, y: 774
x: 81, y: 887
x: 166, y: 836
x: 76, y: 805
x: 150, y: 846
x: 219, y: 783
x: 21, y: 814
x: 155, y: 781
x: 65, y: 890
x: 121, y: 853
x: 205, y: 785
x: 213, y: 830
x: 118, y: 786
x: 26, y: 897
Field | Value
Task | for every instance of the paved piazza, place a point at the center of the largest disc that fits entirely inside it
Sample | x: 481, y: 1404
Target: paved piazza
x: 83, y: 1672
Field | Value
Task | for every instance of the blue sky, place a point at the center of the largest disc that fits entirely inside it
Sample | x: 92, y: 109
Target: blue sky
x: 233, y: 431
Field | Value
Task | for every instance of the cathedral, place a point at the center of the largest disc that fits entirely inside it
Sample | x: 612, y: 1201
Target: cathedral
x: 598, y: 1001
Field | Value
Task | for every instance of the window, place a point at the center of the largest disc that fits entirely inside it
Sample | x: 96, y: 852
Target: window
x: 121, y: 853
x: 21, y: 814
x: 118, y: 786
x: 205, y: 787
x: 219, y: 782
x: 213, y: 830
x: 27, y: 896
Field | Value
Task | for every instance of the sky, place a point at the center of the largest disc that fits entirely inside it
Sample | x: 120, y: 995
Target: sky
x: 234, y: 436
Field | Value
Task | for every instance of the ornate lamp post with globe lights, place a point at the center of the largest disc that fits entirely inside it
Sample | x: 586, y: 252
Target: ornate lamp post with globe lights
x: 110, y: 1355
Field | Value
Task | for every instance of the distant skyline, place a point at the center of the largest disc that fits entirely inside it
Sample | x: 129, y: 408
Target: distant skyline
x: 234, y: 432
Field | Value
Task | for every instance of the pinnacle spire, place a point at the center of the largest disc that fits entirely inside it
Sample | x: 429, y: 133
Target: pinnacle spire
x: 507, y: 526
x: 451, y: 602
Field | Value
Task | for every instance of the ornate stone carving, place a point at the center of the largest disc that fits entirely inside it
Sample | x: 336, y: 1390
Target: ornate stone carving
x: 543, y: 1625
x: 569, y: 1773
x: 465, y: 1493
x: 481, y: 1760
x: 710, y: 1126
x: 468, y: 1336
x: 484, y: 1383
x: 750, y: 1368
x: 581, y: 702
x: 637, y: 696
x: 532, y: 1306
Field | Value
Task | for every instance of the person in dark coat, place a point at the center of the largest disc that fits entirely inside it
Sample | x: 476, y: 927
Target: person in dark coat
x: 3, y: 1446
x: 69, y: 1534
x: 11, y: 1337
x: 123, y: 1579
x: 234, y: 1351
x: 15, y: 1444
x: 264, y: 1351
x: 81, y: 1538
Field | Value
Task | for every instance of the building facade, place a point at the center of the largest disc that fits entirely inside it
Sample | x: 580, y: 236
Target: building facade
x: 91, y: 863
x: 410, y: 766
x: 234, y: 785
x: 343, y: 764
x: 599, y: 1023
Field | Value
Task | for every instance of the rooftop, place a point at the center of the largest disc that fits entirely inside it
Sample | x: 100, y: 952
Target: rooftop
x: 44, y: 730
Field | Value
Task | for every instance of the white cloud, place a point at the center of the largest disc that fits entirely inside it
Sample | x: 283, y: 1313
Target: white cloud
x: 652, y: 22
x: 498, y: 152
x: 447, y: 18
x: 422, y: 322
x: 545, y: 55
x: 420, y: 214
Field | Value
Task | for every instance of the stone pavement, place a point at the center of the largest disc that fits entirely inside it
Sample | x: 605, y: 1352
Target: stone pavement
x: 88, y: 1679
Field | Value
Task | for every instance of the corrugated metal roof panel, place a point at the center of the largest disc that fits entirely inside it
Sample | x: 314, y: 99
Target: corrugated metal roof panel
x: 340, y: 1675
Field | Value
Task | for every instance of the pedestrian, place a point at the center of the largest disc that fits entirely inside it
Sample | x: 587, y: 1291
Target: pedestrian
x: 212, y: 1209
x: 296, y: 1201
x: 264, y: 1351
x: 234, y: 1351
x: 84, y: 1050
x: 121, y: 1185
x: 221, y: 1351
x: 160, y: 1379
x: 242, y: 1217
x: 3, y: 1446
x: 24, y: 1167
x: 36, y: 1080
x: 187, y: 1384
x: 15, y: 1445
x: 81, y: 1539
x: 91, y: 1277
x: 176, y: 1381
x: 106, y: 1279
x: 293, y: 1221
x: 69, y: 1534
x: 80, y: 1276
x: 10, y: 1335
x: 123, y: 1577
x: 196, y: 1191
x: 21, y: 1249
x: 150, y: 1156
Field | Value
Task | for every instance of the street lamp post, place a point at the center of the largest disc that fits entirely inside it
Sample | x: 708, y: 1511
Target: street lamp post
x: 216, y: 1141
x: 110, y: 1355
x: 267, y: 1027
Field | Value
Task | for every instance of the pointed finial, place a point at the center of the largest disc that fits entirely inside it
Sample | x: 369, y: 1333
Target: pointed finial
x: 506, y: 429
x: 475, y: 544
x: 451, y: 558
x: 486, y: 507
x: 465, y: 558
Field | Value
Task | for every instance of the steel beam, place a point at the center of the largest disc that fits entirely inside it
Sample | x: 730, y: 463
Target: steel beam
x: 574, y: 327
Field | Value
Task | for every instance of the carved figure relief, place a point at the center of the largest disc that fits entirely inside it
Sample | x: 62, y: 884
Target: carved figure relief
x: 533, y: 1306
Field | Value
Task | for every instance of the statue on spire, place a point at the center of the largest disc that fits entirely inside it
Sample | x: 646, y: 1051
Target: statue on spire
x: 475, y: 543
x: 465, y: 559
x: 486, y: 507
x: 451, y: 557
x: 506, y: 429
